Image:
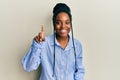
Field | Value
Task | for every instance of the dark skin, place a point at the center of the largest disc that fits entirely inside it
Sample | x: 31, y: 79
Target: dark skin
x: 62, y: 27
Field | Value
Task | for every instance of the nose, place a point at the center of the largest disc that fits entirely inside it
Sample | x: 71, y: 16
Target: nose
x: 63, y: 25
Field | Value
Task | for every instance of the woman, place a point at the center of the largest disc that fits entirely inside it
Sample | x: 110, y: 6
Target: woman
x: 59, y: 54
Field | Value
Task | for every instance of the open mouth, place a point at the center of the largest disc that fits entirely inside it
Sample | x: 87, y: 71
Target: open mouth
x: 63, y: 31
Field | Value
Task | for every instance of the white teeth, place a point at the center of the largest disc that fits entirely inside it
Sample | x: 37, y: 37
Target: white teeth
x: 63, y: 31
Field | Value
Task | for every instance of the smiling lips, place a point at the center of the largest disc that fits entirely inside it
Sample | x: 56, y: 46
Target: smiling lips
x: 63, y: 31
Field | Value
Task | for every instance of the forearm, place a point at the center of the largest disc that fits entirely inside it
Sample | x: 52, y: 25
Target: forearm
x: 79, y: 75
x: 32, y: 59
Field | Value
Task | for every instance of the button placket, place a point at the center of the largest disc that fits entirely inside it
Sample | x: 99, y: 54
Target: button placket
x: 64, y: 63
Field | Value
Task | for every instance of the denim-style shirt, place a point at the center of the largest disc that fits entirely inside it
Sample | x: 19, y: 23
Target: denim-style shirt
x: 43, y: 53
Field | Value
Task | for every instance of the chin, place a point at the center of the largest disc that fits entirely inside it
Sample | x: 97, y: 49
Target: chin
x: 63, y: 35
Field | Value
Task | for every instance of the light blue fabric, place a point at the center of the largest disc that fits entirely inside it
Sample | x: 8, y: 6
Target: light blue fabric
x: 64, y: 60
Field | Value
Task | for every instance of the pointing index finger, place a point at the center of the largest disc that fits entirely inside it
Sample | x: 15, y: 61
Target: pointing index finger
x: 42, y: 29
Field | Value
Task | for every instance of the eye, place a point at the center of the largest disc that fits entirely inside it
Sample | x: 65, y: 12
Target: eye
x: 58, y: 23
x: 67, y: 22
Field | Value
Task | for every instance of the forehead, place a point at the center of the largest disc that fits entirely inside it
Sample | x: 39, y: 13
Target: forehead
x: 62, y: 16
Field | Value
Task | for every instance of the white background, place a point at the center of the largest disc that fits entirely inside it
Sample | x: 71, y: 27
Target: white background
x: 96, y: 24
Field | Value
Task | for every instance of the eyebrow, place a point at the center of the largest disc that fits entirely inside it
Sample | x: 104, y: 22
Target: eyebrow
x: 65, y: 20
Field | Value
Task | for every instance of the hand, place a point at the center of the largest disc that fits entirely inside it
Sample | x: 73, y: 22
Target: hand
x: 40, y: 37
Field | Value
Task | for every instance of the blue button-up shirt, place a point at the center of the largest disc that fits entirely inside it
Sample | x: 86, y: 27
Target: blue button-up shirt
x: 43, y: 53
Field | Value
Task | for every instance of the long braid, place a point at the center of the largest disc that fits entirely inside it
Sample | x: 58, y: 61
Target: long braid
x: 74, y: 49
x: 54, y: 56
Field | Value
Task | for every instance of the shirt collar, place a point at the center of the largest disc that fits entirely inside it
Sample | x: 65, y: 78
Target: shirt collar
x: 69, y: 45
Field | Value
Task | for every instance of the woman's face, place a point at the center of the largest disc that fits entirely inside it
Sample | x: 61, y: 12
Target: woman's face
x: 62, y: 24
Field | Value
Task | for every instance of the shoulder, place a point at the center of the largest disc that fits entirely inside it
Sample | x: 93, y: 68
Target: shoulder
x: 49, y: 39
x: 77, y: 43
x: 78, y: 47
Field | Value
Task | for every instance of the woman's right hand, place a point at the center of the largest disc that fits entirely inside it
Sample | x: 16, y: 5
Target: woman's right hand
x: 40, y: 37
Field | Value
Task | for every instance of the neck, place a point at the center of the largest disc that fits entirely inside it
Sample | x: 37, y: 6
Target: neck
x: 62, y: 40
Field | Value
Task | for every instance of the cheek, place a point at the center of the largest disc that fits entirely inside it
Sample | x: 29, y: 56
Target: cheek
x: 69, y: 27
x: 57, y: 27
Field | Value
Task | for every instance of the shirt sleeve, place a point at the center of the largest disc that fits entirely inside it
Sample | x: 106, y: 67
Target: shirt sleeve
x: 79, y: 75
x: 32, y: 59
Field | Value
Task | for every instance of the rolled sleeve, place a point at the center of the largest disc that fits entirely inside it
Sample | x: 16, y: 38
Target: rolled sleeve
x: 79, y: 75
x: 32, y: 59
